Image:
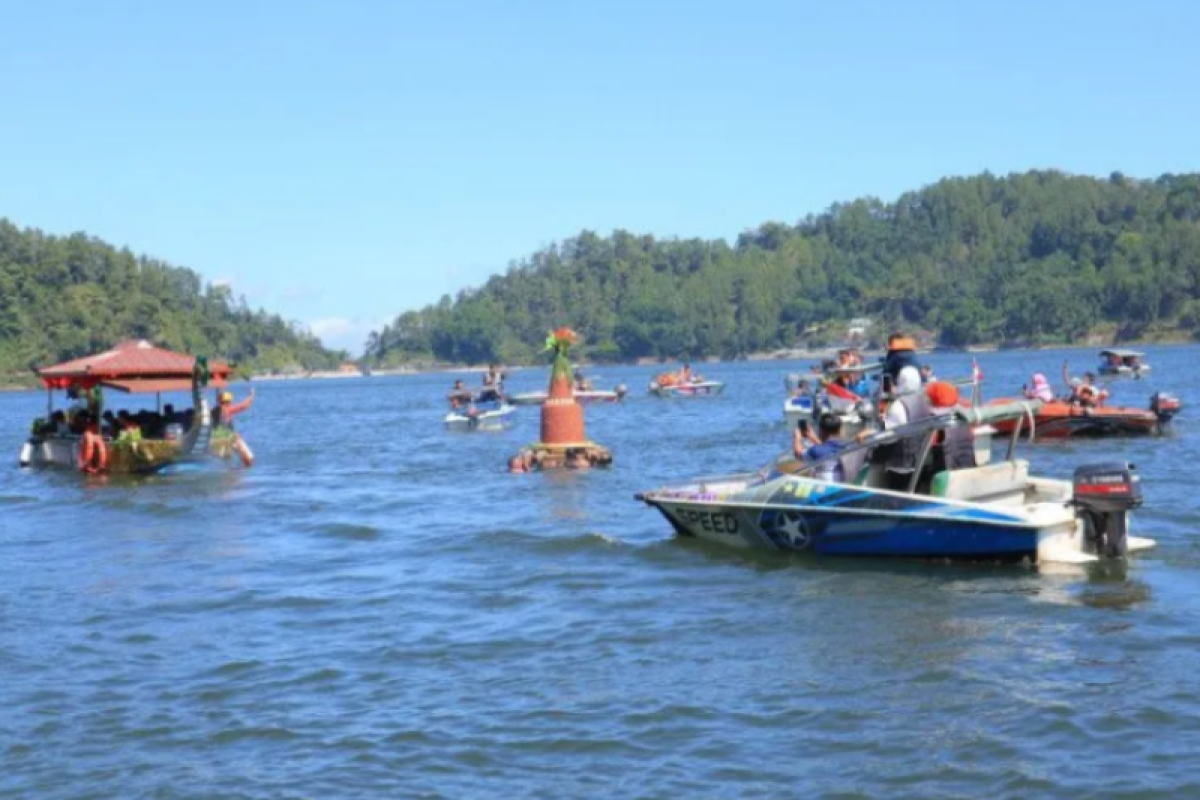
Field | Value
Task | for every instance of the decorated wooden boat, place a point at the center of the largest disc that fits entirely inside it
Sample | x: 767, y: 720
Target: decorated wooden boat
x: 79, y: 438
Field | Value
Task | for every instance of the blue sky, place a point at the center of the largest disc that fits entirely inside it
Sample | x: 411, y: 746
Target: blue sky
x: 342, y: 162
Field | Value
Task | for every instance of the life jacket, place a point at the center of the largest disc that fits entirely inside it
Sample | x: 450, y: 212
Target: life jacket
x: 902, y: 456
x: 957, y: 448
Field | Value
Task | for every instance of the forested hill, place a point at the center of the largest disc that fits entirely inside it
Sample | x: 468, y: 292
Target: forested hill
x: 62, y: 297
x: 1034, y: 257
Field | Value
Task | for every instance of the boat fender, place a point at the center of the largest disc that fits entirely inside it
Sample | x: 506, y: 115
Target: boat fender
x: 27, y: 454
x: 93, y: 453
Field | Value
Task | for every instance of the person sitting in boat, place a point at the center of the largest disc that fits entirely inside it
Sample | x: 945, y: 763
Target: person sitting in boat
x: 1040, y: 390
x: 460, y: 395
x: 1084, y: 392
x: 582, y: 384
x: 58, y: 423
x: 823, y: 447
x: 685, y: 375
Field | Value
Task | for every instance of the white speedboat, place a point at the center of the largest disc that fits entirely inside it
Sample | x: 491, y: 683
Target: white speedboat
x: 997, y: 511
x: 480, y: 416
x: 581, y: 396
x: 687, y: 389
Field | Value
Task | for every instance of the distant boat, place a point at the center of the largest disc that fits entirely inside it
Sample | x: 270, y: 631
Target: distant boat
x: 1122, y: 363
x: 669, y: 384
x: 581, y: 395
x: 492, y: 413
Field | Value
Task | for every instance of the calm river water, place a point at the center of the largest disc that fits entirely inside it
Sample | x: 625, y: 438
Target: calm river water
x: 377, y: 609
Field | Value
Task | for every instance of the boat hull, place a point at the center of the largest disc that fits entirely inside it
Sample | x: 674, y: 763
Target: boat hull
x: 844, y: 521
x: 704, y: 389
x: 484, y: 420
x: 1062, y: 421
x: 62, y: 452
x: 1124, y: 371
x: 584, y: 397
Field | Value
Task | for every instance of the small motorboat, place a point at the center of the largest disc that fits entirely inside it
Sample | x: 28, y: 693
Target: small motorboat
x: 480, y: 415
x: 670, y: 384
x: 997, y: 511
x: 581, y: 396
x: 798, y: 408
x: 1122, y: 363
x: 1061, y: 419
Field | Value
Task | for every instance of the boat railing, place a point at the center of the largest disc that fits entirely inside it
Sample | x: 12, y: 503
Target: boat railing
x: 977, y: 415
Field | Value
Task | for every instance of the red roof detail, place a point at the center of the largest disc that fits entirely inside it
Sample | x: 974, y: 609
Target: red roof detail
x: 129, y: 359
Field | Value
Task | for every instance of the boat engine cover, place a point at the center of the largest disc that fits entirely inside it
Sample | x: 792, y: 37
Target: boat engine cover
x: 1108, y: 487
x: 1165, y: 405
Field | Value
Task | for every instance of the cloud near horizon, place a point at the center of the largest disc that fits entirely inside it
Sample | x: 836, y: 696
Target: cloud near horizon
x: 340, y: 333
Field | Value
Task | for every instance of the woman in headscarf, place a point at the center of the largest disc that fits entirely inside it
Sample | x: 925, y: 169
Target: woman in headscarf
x: 1041, y: 389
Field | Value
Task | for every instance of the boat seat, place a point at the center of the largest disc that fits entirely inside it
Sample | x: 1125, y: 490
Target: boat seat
x: 1006, y: 481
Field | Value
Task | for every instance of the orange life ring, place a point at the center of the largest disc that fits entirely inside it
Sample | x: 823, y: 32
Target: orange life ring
x: 93, y: 453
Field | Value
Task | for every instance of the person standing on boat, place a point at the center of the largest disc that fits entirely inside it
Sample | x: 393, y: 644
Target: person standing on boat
x: 909, y: 405
x: 226, y: 411
x: 901, y: 353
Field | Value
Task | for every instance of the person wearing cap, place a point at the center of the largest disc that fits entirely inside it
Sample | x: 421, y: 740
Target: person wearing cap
x: 901, y: 353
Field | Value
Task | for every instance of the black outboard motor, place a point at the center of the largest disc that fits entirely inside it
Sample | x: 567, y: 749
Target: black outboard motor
x: 1104, y: 493
x: 1165, y: 406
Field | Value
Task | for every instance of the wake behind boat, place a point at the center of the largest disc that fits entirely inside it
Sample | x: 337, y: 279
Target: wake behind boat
x: 994, y: 511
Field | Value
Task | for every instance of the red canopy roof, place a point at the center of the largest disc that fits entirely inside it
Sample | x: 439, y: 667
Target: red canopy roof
x: 130, y: 359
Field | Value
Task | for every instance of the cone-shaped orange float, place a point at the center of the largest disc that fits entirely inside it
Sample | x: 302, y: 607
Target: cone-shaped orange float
x: 563, y: 442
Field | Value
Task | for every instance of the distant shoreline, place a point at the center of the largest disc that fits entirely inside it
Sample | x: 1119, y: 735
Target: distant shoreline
x: 790, y: 354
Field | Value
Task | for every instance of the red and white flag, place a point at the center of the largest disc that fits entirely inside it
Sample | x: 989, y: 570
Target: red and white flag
x: 976, y: 372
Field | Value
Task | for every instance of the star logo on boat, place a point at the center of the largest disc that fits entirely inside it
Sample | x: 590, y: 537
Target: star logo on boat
x: 789, y: 529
